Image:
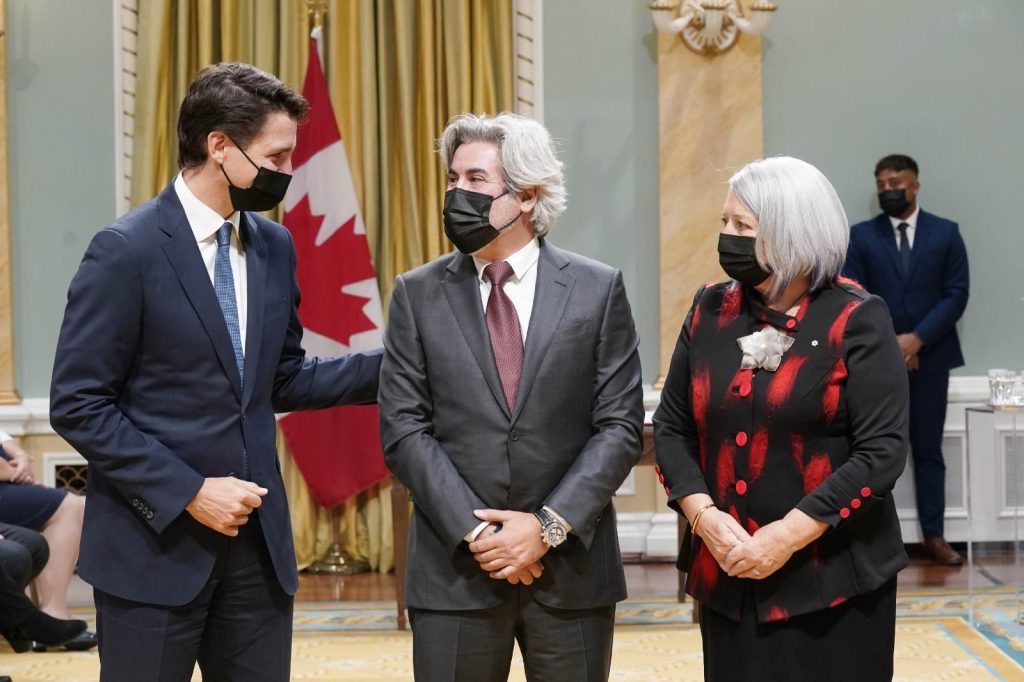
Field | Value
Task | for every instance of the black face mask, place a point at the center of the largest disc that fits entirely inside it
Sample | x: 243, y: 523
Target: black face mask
x: 467, y: 219
x: 893, y: 202
x: 736, y: 255
x: 266, y: 191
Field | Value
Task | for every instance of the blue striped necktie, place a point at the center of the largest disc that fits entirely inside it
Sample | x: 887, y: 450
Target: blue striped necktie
x: 224, y: 285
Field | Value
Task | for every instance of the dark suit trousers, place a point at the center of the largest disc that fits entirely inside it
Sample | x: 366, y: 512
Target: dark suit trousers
x: 476, y: 646
x: 928, y: 390
x: 23, y: 554
x: 238, y: 628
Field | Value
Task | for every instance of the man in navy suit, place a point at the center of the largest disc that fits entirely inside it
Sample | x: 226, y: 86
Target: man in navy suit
x: 917, y: 263
x: 180, y: 341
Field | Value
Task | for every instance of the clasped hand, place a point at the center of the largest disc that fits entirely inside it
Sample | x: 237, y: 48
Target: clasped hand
x: 743, y: 555
x: 224, y: 504
x: 512, y: 553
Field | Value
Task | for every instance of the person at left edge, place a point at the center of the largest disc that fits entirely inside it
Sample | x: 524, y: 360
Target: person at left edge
x: 180, y: 340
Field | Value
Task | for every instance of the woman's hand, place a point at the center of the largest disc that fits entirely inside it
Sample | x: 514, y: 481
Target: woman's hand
x: 773, y: 545
x: 721, y: 533
x: 766, y: 552
x: 19, y: 461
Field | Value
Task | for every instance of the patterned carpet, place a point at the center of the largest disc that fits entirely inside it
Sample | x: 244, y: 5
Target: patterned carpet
x: 654, y: 640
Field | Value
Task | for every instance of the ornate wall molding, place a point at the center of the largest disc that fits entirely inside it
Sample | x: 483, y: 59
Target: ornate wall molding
x: 529, y: 74
x: 126, y: 33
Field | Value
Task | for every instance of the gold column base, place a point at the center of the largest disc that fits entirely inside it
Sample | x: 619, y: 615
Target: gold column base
x: 336, y: 562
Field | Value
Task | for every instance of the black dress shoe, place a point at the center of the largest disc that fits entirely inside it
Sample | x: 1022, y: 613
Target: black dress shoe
x: 82, y: 642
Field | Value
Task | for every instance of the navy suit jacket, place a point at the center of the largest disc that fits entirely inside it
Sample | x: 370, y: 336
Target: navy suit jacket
x: 146, y: 388
x: 931, y: 297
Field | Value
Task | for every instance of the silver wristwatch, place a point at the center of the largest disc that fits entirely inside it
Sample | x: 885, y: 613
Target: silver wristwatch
x: 552, y: 532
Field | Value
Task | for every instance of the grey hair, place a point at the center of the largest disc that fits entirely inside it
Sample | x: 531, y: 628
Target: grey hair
x: 527, y: 155
x: 802, y: 228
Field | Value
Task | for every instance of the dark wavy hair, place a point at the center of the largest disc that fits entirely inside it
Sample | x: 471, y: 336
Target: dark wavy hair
x: 896, y: 163
x: 234, y: 99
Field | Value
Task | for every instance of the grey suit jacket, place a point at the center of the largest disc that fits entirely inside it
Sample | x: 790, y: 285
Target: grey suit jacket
x: 574, y: 435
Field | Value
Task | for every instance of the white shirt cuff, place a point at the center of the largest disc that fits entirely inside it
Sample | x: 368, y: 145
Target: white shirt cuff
x: 472, y: 535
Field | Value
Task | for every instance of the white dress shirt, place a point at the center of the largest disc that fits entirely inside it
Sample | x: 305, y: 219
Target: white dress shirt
x: 205, y: 222
x: 911, y: 222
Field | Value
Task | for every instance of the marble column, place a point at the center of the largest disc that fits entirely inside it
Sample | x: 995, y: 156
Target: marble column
x: 710, y: 120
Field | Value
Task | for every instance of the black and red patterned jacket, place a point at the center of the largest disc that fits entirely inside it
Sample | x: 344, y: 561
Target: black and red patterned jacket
x: 825, y: 433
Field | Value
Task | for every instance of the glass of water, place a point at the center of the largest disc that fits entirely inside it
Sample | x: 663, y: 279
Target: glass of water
x: 1001, y: 386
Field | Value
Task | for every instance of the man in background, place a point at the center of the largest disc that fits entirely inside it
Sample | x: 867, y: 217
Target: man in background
x: 917, y: 263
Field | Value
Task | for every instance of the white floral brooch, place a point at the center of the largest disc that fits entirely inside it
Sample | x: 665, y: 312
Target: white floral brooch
x: 764, y: 349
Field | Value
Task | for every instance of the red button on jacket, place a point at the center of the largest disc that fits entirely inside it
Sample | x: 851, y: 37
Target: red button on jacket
x: 741, y: 487
x: 844, y: 513
x: 791, y: 323
x: 855, y: 503
x: 865, y: 492
x: 745, y: 389
x: 741, y: 439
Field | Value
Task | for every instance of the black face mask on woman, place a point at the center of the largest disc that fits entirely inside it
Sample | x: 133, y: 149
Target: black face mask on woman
x: 736, y: 256
x: 266, y: 191
x: 467, y: 219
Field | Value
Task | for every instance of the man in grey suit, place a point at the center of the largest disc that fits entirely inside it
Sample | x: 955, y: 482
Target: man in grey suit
x: 511, y: 406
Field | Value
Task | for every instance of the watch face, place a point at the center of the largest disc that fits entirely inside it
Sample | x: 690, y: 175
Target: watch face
x: 555, y: 534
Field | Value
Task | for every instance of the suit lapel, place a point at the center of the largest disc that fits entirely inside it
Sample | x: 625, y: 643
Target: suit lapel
x: 888, y: 237
x: 183, y: 253
x: 462, y: 289
x: 256, y: 285
x: 922, y: 236
x: 554, y: 284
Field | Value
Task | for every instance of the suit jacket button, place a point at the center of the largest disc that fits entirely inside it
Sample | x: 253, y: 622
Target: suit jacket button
x: 149, y: 515
x: 741, y: 487
x: 745, y: 389
x: 514, y: 435
x: 855, y: 503
x: 661, y: 478
x: 844, y: 513
x: 865, y: 492
x: 741, y: 439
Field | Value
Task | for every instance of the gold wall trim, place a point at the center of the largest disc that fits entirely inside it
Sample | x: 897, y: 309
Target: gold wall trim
x: 8, y: 390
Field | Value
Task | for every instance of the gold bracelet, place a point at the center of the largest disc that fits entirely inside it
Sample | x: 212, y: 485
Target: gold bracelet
x: 696, y: 517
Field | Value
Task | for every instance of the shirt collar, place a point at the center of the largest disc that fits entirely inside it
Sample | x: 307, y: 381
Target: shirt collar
x: 911, y: 220
x: 203, y: 220
x: 521, y: 261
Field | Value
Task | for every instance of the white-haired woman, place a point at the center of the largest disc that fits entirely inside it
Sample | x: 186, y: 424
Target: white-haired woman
x: 780, y: 435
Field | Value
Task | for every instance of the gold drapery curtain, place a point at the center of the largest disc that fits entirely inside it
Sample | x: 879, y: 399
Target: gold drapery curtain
x: 397, y: 71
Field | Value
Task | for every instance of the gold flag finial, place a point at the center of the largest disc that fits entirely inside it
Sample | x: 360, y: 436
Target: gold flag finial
x: 317, y: 10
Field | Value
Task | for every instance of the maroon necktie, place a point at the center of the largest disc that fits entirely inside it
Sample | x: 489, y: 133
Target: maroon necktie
x: 506, y: 335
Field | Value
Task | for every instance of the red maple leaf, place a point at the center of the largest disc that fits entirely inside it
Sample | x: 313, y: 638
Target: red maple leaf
x: 322, y: 271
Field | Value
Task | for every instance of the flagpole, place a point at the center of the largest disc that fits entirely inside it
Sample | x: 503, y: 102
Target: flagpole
x: 335, y: 561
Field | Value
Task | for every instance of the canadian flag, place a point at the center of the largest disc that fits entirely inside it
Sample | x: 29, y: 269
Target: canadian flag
x: 337, y: 450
